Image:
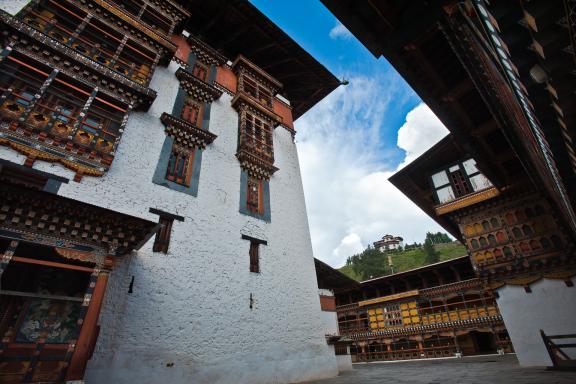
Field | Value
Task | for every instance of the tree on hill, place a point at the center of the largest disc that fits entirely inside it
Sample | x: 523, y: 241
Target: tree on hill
x: 370, y: 263
x: 438, y: 238
x: 430, y: 254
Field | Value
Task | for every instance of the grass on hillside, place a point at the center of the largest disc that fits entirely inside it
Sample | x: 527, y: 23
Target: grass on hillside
x: 413, y: 258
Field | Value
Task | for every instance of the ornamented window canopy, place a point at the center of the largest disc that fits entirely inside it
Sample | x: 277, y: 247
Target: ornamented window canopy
x: 196, y: 88
x: 50, y: 219
x: 205, y: 53
x: 186, y: 134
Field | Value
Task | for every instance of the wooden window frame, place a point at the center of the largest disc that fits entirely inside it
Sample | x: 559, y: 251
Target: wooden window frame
x: 192, y: 112
x: 187, y: 161
x: 460, y: 188
x: 254, y: 252
x: 255, y: 199
x: 162, y: 238
x: 200, y: 71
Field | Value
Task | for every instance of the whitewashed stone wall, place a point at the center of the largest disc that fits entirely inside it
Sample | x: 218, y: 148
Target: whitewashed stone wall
x: 188, y: 319
x: 551, y: 306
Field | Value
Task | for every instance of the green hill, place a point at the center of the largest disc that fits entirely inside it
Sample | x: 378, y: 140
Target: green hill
x: 413, y: 258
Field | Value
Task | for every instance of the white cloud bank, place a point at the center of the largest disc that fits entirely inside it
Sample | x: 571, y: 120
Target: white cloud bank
x: 350, y: 201
x: 339, y: 32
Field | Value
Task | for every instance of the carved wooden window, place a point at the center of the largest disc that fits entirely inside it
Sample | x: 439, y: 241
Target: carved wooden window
x: 257, y: 137
x: 162, y: 239
x: 254, y: 195
x: 200, y: 71
x: 458, y: 180
x: 180, y: 165
x: 192, y: 112
x: 257, y: 91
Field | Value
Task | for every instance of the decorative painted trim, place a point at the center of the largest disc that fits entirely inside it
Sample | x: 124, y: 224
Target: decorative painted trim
x: 242, y: 64
x: 139, y: 95
x: 130, y: 19
x: 467, y: 200
x: 196, y: 88
x: 186, y: 133
x: 393, y: 297
x: 266, y: 216
x: 206, y: 53
x: 51, y: 154
x: 159, y: 177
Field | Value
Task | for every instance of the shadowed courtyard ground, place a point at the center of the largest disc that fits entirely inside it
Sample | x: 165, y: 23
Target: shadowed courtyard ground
x: 469, y: 370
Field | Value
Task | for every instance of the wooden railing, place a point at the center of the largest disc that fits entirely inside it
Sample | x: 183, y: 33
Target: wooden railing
x: 560, y: 359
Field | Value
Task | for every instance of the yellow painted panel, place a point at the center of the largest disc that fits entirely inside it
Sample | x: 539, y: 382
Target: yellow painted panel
x: 425, y: 320
x: 403, y: 306
x: 492, y: 311
x: 464, y: 315
x: 382, y: 324
x: 405, y: 313
x: 482, y: 311
x: 380, y: 317
x: 413, y: 312
x: 406, y: 320
x: 379, y: 311
x: 415, y: 319
x: 373, y: 325
x: 412, y: 304
x: 372, y: 319
x: 371, y: 311
x: 444, y: 317
x: 453, y: 316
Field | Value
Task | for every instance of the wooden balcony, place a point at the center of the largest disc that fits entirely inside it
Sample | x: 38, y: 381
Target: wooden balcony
x: 467, y: 200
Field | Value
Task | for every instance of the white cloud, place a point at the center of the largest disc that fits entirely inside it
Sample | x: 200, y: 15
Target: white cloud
x: 419, y: 133
x: 350, y: 201
x: 339, y: 32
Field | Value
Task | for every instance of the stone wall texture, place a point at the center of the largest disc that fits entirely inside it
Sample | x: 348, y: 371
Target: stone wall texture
x: 188, y: 319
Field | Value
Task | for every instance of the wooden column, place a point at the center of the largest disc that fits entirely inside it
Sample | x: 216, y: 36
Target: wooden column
x: 88, y: 332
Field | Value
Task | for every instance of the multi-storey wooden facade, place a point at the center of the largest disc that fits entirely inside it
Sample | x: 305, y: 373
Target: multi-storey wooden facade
x: 127, y: 120
x: 440, y: 310
x: 500, y: 76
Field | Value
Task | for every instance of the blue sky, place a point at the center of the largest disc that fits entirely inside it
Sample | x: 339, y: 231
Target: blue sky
x: 309, y: 23
x: 352, y: 141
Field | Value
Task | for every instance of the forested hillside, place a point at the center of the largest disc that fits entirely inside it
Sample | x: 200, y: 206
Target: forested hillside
x: 372, y: 263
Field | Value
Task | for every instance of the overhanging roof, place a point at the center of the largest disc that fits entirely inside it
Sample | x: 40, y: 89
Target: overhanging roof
x: 329, y: 278
x: 236, y: 27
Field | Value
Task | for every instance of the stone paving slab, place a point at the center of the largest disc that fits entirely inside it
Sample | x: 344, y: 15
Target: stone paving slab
x: 492, y: 369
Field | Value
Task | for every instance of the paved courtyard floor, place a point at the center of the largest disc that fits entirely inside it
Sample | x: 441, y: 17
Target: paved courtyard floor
x: 469, y: 370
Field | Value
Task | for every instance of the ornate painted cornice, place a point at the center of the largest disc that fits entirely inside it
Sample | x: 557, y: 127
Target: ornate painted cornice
x: 196, y: 88
x: 254, y: 165
x: 185, y: 133
x: 465, y: 201
x: 452, y: 288
x: 206, y: 53
x: 78, y: 66
x: 82, y: 162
